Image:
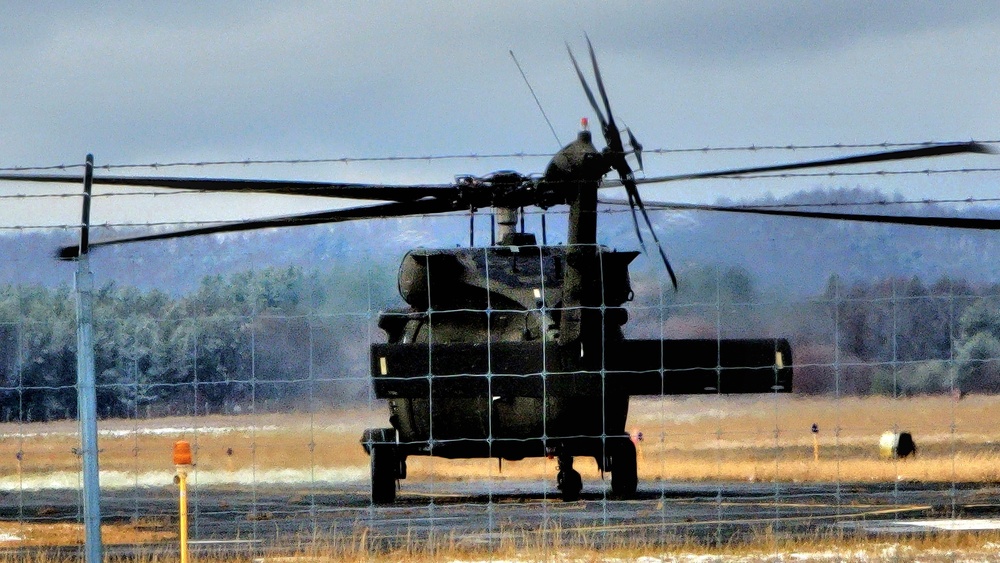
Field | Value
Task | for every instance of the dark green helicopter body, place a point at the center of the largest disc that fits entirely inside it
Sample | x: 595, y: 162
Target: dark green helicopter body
x: 518, y: 307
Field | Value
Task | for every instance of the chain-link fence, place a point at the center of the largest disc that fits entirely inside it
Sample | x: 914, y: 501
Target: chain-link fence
x: 258, y: 350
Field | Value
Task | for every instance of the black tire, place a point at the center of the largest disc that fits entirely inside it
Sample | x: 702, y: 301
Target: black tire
x: 384, y: 473
x: 624, y: 470
x: 570, y: 483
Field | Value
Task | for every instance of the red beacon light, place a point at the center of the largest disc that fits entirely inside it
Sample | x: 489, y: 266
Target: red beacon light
x: 182, y: 453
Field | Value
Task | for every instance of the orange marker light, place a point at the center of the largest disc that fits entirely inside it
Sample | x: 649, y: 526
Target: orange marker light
x: 182, y: 452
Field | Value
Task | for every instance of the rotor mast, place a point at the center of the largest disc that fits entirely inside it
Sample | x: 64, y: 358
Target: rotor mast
x: 506, y: 218
x: 576, y: 171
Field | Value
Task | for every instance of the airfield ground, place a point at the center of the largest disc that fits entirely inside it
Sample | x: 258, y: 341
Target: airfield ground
x: 717, y: 474
x: 702, y: 438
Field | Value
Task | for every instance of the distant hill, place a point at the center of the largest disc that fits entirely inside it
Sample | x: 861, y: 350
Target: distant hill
x: 799, y: 255
x: 790, y: 255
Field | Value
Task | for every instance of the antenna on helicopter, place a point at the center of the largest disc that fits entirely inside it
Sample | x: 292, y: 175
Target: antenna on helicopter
x: 537, y: 102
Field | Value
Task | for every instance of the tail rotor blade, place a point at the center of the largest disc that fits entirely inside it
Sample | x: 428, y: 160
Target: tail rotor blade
x: 600, y: 88
x: 586, y: 89
x: 635, y: 220
x: 615, y: 153
x: 633, y: 144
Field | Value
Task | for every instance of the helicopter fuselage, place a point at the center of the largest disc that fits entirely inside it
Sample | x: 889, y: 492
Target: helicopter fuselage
x: 478, y: 365
x: 486, y: 323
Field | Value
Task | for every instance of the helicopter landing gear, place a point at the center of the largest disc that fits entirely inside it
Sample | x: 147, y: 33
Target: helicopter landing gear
x: 624, y: 470
x: 568, y: 479
x: 383, y: 469
x: 386, y: 467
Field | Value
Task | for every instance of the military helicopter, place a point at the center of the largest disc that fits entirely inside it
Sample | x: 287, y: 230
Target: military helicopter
x: 516, y: 349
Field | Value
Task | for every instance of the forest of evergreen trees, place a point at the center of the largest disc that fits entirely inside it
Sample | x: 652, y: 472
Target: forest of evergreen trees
x: 270, y: 339
x: 285, y: 338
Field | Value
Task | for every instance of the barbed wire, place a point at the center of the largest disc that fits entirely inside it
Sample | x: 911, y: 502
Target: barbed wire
x: 39, y: 227
x: 64, y: 195
x: 113, y: 194
x: 476, y: 156
x: 42, y: 168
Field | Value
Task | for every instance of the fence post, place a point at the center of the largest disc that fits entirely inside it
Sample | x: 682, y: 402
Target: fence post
x: 86, y: 387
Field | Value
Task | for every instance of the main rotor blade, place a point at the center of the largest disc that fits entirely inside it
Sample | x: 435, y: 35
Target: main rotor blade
x: 940, y: 149
x: 971, y: 223
x: 284, y: 187
x: 396, y: 209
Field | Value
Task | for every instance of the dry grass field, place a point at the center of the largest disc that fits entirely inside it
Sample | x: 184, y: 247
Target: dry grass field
x: 765, y: 547
x: 752, y: 438
x: 745, y: 438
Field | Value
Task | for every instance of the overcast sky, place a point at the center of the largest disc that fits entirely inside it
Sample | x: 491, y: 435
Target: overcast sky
x: 159, y: 82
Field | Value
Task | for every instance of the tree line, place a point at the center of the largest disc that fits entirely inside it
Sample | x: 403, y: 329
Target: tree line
x: 279, y: 338
x: 898, y: 336
x: 286, y: 338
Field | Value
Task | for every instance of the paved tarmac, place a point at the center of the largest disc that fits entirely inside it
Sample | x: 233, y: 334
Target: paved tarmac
x: 255, y: 517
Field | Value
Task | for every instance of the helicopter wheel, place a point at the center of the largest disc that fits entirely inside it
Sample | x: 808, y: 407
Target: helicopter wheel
x: 570, y: 483
x: 624, y: 470
x: 384, y: 473
x: 568, y: 480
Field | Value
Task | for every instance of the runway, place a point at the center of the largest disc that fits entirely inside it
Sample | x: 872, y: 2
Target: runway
x: 258, y: 517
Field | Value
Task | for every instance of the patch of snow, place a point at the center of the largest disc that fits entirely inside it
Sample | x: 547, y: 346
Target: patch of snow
x: 164, y: 431
x: 127, y: 479
x: 958, y: 524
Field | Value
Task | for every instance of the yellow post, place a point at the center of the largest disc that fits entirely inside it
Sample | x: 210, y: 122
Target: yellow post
x: 182, y: 482
x: 182, y: 461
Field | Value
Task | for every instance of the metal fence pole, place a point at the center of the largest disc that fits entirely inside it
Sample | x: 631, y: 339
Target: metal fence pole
x: 86, y: 385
